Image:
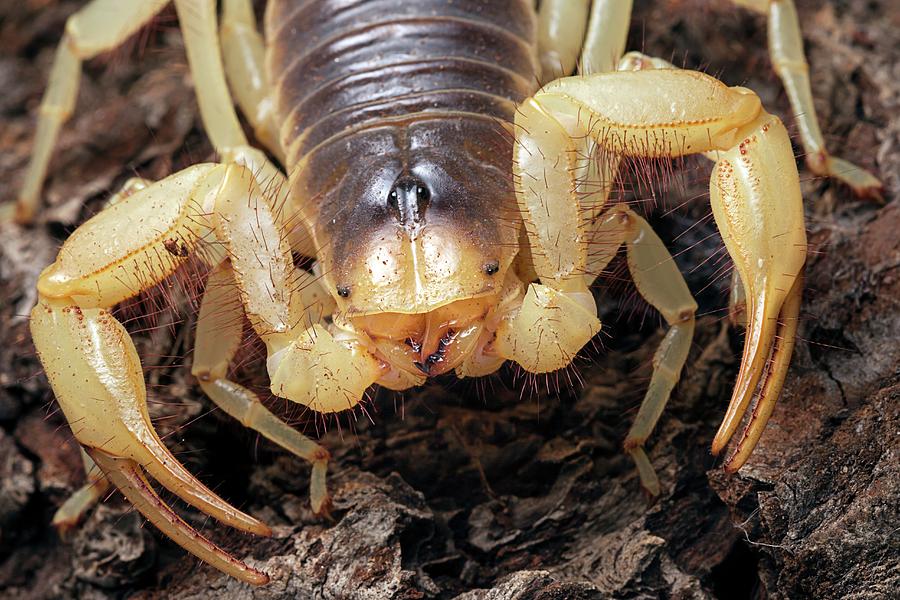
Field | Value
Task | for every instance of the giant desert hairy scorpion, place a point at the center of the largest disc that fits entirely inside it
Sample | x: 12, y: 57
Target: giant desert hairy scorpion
x: 456, y: 211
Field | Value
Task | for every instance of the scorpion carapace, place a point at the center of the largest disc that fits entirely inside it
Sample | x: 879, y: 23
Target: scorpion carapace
x: 456, y: 214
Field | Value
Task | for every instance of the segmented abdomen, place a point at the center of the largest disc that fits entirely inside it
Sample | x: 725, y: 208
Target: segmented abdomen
x: 341, y: 66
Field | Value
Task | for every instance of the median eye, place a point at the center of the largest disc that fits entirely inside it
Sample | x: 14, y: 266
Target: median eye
x: 422, y: 194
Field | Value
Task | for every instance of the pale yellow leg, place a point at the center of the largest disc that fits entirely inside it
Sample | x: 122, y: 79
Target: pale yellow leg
x: 104, y: 24
x: 558, y: 315
x: 660, y: 283
x: 219, y: 330
x: 570, y: 241
x: 591, y: 36
x: 93, y: 367
x: 561, y: 28
x: 789, y: 61
x: 607, y: 32
x: 92, y: 364
x: 596, y: 170
x: 98, y: 27
x: 199, y: 27
x: 243, y: 53
x: 755, y: 191
x: 588, y: 34
x: 658, y: 280
x: 74, y: 509
x: 562, y: 188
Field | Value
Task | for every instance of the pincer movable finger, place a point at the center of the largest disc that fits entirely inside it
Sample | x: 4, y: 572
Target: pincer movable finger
x: 127, y: 475
x: 773, y: 378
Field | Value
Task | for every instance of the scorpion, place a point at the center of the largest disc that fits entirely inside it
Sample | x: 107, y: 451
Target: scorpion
x: 446, y: 198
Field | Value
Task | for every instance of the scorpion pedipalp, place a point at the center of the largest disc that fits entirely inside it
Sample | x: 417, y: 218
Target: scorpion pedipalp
x: 754, y: 193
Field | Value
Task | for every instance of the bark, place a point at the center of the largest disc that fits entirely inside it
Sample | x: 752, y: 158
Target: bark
x: 509, y: 487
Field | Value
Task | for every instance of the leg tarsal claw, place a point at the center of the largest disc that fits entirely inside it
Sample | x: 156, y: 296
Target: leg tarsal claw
x: 863, y: 183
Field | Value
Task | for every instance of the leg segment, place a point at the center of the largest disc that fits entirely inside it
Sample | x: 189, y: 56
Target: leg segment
x: 101, y: 26
x: 95, y: 371
x: 755, y: 192
x: 561, y: 28
x: 589, y: 34
x: 789, y: 61
x: 243, y: 53
x: 658, y: 280
x: 558, y: 316
x: 98, y: 27
x: 219, y: 329
x: 74, y: 509
x: 606, y: 34
x: 199, y: 26
x: 561, y: 192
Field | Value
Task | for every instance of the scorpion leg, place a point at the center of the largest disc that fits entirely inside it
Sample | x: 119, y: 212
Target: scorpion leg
x: 201, y: 40
x: 789, y: 61
x: 243, y: 53
x: 588, y: 34
x: 98, y: 27
x: 73, y: 510
x: 219, y: 329
x: 600, y: 38
x: 306, y: 363
x: 607, y: 31
x: 559, y: 192
x: 93, y: 366
x: 660, y: 282
x: 561, y: 28
x: 558, y: 315
x: 737, y: 302
x: 754, y: 192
